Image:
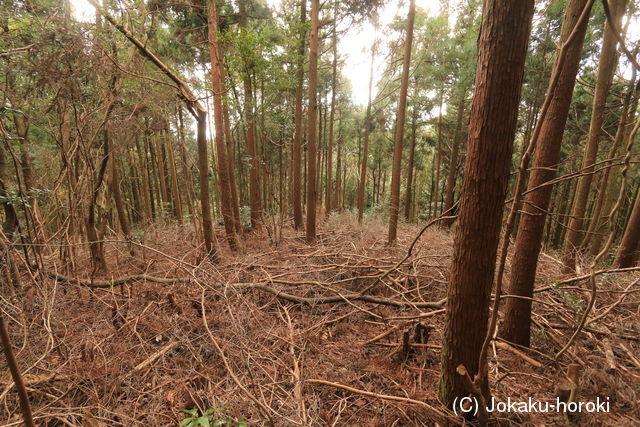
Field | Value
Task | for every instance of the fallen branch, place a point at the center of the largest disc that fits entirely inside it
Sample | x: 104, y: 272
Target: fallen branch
x: 264, y: 408
x: 505, y: 346
x: 612, y: 366
x: 380, y: 396
x: 338, y: 298
x: 155, y: 356
x: 586, y: 276
x: 115, y: 282
x: 382, y: 335
x: 631, y: 356
x: 260, y: 286
x: 615, y: 304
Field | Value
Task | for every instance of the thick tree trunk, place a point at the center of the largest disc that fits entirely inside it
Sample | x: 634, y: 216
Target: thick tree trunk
x: 501, y: 57
x: 312, y: 124
x: 399, y: 133
x: 606, y: 69
x: 530, y: 231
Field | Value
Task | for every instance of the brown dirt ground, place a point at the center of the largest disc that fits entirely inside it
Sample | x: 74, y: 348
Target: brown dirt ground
x: 80, y: 346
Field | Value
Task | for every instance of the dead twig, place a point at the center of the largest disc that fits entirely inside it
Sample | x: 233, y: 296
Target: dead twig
x: 15, y: 373
x: 505, y: 346
x: 380, y: 396
x: 155, y: 356
x: 266, y: 411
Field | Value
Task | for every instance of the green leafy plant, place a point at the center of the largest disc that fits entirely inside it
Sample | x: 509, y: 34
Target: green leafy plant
x: 569, y: 299
x: 212, y: 417
x: 541, y: 335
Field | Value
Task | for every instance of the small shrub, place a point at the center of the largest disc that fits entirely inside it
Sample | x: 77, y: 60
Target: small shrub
x: 212, y: 417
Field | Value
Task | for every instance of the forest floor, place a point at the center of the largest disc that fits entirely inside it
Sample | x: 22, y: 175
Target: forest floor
x: 232, y: 336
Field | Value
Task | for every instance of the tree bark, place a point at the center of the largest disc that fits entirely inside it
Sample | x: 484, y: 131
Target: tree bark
x: 312, y: 124
x: 226, y: 195
x: 175, y: 189
x: 255, y: 201
x: 337, y: 199
x: 200, y: 114
x: 453, y: 163
x: 607, y: 194
x: 235, y: 201
x: 502, y: 50
x: 627, y: 254
x: 296, y: 155
x: 530, y: 230
x: 399, y: 133
x: 606, y: 69
x: 118, y: 200
x: 365, y: 147
x: 329, y: 180
x: 408, y: 196
x: 436, y: 166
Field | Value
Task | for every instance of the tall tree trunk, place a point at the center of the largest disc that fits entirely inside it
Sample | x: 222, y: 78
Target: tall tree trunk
x: 188, y: 189
x: 118, y: 200
x: 455, y: 152
x: 627, y: 253
x: 502, y: 47
x: 530, y: 231
x: 203, y: 177
x: 30, y: 205
x: 296, y: 149
x: 319, y: 151
x: 365, y: 148
x: 399, y: 133
x: 144, y: 189
x: 218, y: 114
x: 96, y: 245
x: 337, y: 199
x: 255, y: 200
x: 408, y: 196
x: 235, y: 201
x: 200, y: 114
x: 312, y: 124
x: 607, y: 193
x: 436, y: 186
x: 606, y: 69
x: 327, y: 192
x: 175, y: 189
x: 158, y: 143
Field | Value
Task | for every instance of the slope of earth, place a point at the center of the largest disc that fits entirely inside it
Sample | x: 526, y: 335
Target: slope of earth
x: 282, y: 333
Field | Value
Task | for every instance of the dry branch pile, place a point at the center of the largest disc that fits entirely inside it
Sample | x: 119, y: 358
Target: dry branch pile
x: 330, y: 334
